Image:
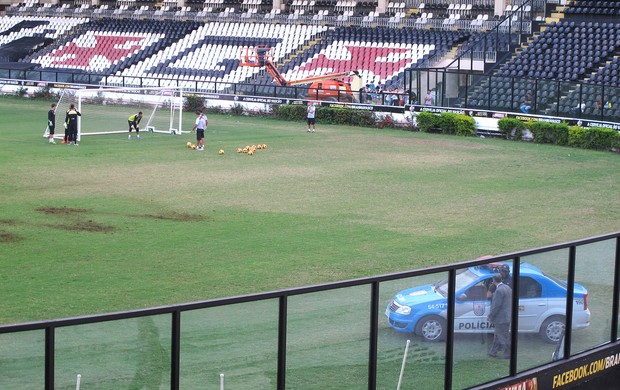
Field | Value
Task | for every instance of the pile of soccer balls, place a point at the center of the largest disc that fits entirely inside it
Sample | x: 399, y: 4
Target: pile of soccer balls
x: 250, y: 150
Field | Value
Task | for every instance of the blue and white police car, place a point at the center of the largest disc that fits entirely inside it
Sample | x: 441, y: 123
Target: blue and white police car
x: 542, y: 304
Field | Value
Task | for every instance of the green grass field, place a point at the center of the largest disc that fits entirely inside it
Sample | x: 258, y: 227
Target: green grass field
x: 115, y: 225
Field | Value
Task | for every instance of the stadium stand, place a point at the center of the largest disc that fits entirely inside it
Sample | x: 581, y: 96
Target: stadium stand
x: 568, y: 50
x: 197, y: 44
x: 586, y: 9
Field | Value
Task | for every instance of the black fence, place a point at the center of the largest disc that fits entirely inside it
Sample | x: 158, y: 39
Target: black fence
x: 337, y: 335
x: 449, y: 89
x: 465, y: 90
x: 501, y: 72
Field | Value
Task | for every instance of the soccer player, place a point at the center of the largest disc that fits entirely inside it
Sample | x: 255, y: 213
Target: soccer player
x: 71, y: 119
x: 201, y: 125
x: 311, y: 113
x: 134, y: 123
x: 51, y: 123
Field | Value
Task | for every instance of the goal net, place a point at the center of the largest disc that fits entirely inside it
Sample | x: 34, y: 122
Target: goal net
x: 107, y: 110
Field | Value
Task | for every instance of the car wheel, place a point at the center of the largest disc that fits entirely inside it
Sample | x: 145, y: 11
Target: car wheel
x: 552, y: 329
x: 431, y: 328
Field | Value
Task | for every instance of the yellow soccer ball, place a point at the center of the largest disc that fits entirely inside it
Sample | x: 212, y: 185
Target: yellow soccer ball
x: 189, y: 144
x: 220, y: 152
x: 239, y: 150
x: 251, y: 152
x: 193, y: 147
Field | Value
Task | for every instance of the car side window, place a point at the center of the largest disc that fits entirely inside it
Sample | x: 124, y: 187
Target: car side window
x: 477, y: 292
x: 529, y: 288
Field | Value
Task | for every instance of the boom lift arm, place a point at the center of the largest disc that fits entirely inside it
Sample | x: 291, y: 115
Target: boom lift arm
x: 262, y: 56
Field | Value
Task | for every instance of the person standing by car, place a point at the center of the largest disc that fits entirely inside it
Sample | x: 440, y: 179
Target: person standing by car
x: 500, y: 317
x: 504, y: 270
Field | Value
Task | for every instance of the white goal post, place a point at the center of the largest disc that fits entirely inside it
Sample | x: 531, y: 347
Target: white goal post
x: 107, y: 110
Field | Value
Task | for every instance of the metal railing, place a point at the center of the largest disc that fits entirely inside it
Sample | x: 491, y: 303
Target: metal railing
x: 566, y: 100
x: 284, y: 339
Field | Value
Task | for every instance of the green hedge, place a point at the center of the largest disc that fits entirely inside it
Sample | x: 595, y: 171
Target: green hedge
x: 549, y: 133
x: 511, y: 128
x: 288, y: 112
x: 447, y: 123
x: 325, y: 115
x: 465, y: 126
x: 427, y: 122
x: 599, y: 138
x: 192, y: 103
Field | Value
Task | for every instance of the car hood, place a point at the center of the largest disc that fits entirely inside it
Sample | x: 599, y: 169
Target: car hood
x: 417, y: 295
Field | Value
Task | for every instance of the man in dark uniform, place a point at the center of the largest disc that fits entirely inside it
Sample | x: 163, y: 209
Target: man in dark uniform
x: 71, y: 120
x: 134, y: 124
x: 51, y: 123
x: 504, y: 270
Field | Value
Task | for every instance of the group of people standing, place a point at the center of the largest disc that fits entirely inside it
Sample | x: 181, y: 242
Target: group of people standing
x: 133, y: 122
x: 378, y: 94
x: 70, y: 125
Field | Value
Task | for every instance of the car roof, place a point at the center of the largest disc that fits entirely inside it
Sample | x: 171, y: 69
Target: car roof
x: 492, y: 268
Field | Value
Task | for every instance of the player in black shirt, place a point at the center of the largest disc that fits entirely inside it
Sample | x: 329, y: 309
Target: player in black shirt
x: 51, y: 123
x: 71, y: 120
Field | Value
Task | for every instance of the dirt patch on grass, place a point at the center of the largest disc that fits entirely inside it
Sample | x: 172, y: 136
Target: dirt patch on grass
x: 8, y: 238
x: 60, y: 210
x: 84, y: 226
x: 179, y: 217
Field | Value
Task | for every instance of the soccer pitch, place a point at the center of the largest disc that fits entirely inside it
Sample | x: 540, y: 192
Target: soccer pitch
x: 117, y: 225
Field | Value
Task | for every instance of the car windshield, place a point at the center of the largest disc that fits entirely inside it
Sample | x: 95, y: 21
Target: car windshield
x: 464, y: 277
x: 558, y: 281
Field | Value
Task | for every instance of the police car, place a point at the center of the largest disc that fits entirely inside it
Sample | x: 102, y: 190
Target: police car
x: 542, y: 304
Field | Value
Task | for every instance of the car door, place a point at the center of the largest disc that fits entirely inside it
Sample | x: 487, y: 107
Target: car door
x: 531, y: 303
x: 472, y: 308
